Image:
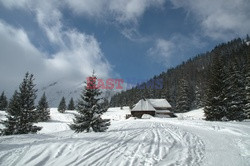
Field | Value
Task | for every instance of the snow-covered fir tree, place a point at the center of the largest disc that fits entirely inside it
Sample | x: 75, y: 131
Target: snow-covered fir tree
x: 198, y: 103
x: 3, y: 102
x: 215, y: 105
x: 27, y: 95
x: 182, y: 103
x: 234, y: 94
x: 247, y: 89
x: 43, y: 109
x: 247, y: 38
x: 62, y: 105
x: 13, y: 114
x: 90, y: 110
x: 71, y: 105
x: 21, y: 112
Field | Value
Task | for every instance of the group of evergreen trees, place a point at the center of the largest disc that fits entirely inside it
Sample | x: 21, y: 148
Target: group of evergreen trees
x: 227, y: 93
x: 62, y: 105
x: 218, y: 80
x: 22, y: 112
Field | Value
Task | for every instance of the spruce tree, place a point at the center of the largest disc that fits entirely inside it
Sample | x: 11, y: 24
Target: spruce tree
x: 27, y: 96
x: 13, y: 115
x: 247, y: 38
x: 215, y: 108
x: 90, y: 110
x: 3, y: 102
x: 71, y: 105
x: 21, y: 112
x: 182, y: 104
x: 62, y: 105
x: 247, y: 89
x: 234, y: 94
x: 198, y: 97
x: 43, y: 109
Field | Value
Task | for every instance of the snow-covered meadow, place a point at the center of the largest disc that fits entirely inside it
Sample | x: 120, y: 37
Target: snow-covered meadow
x: 186, y: 140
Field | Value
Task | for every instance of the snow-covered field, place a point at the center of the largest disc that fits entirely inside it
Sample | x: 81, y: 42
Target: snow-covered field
x: 155, y: 141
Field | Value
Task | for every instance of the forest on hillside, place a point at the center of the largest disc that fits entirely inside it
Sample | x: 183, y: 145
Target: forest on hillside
x: 190, y: 84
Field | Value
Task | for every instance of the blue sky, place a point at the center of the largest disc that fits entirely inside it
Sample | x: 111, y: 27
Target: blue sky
x: 67, y: 39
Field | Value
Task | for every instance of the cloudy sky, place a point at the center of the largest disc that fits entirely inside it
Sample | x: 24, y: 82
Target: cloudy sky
x: 64, y: 40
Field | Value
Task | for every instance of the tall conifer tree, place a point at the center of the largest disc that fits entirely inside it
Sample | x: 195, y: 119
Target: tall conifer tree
x: 182, y: 103
x: 13, y: 112
x: 71, y: 105
x: 90, y: 110
x: 3, y: 102
x: 247, y: 87
x: 234, y: 93
x: 43, y: 109
x: 62, y: 105
x: 215, y: 106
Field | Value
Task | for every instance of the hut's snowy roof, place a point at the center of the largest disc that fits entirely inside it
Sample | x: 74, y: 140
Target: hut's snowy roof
x: 159, y: 103
x: 143, y: 105
x: 151, y: 104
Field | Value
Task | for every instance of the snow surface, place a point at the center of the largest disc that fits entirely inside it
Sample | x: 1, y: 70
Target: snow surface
x: 116, y: 113
x: 194, y: 114
x: 146, y: 116
x: 155, y: 141
x: 58, y: 122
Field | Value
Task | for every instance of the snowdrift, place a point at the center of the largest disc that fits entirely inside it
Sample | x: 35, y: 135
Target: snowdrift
x: 197, y: 114
x: 116, y: 113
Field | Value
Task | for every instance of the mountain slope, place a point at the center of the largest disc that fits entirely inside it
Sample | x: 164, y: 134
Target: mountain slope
x: 195, y: 72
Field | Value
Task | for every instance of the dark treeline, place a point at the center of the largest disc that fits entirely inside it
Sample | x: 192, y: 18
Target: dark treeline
x: 188, y: 86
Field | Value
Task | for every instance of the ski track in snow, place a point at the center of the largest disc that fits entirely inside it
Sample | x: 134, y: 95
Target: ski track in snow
x: 139, y: 142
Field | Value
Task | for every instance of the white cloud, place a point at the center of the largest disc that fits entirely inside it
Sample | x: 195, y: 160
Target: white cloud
x: 76, y: 49
x: 69, y: 66
x: 219, y: 19
x: 162, y: 48
x: 134, y: 35
x: 78, y: 54
x: 123, y: 11
x: 18, y: 56
x: 131, y: 10
x: 88, y: 7
x: 14, y: 3
x: 124, y: 14
x: 177, y: 48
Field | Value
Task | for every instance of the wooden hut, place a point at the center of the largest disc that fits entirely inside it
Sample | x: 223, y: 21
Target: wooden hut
x: 153, y: 107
